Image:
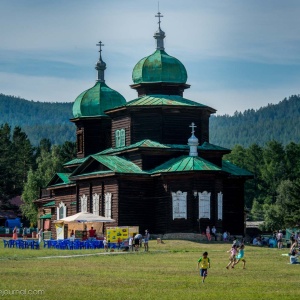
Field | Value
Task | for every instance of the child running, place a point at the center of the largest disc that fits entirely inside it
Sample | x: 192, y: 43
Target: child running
x: 232, y: 259
x: 204, y: 263
x: 240, y: 256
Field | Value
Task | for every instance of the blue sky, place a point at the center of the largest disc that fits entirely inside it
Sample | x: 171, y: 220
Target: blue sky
x: 239, y: 54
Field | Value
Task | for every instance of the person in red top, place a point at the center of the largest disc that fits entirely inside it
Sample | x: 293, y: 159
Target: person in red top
x: 92, y: 232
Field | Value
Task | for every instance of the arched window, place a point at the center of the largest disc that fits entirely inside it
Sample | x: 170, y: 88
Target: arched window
x: 83, y: 201
x: 108, y: 205
x: 61, y: 211
x: 96, y: 204
x: 204, y: 205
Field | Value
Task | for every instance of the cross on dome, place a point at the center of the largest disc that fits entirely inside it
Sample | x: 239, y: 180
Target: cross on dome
x: 100, y: 65
x: 159, y: 15
x: 193, y: 127
x: 100, y: 44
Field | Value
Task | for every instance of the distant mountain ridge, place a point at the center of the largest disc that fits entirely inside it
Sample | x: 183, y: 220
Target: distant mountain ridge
x: 280, y: 122
x: 52, y: 120
x: 38, y: 119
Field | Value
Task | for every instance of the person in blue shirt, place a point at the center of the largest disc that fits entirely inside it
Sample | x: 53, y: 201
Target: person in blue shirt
x: 240, y: 256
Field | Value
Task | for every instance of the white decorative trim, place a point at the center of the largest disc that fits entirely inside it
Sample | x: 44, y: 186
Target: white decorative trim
x: 61, y: 211
x: 179, y: 205
x: 204, y: 205
x: 108, y: 197
x: 220, y: 206
x: 83, y: 201
x: 96, y: 198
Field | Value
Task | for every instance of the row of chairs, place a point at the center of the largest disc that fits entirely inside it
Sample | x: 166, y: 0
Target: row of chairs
x: 21, y: 244
x: 73, y: 244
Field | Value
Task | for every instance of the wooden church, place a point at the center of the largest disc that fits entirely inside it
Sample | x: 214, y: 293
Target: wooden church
x: 147, y: 162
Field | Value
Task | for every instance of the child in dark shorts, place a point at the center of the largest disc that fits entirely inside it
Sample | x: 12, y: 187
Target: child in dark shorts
x: 204, y: 264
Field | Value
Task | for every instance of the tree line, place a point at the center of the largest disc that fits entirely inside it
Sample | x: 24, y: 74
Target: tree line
x: 278, y: 122
x: 52, y: 121
x: 25, y: 168
x: 273, y: 194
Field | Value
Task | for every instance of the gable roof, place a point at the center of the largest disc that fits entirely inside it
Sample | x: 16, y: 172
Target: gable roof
x: 60, y: 179
x: 111, y: 163
x: 76, y: 161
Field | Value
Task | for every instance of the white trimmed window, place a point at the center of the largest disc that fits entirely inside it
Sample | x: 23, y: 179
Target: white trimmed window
x: 204, y: 205
x: 220, y: 206
x: 120, y: 138
x: 96, y: 198
x: 61, y: 211
x: 108, y: 205
x: 179, y: 205
x: 83, y: 201
x: 117, y: 137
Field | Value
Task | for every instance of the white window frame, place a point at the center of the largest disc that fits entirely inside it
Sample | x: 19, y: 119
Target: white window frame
x: 96, y: 198
x: 117, y: 138
x: 204, y: 205
x: 122, y: 138
x: 83, y: 202
x: 220, y: 206
x: 108, y: 197
x: 179, y: 205
x: 63, y: 207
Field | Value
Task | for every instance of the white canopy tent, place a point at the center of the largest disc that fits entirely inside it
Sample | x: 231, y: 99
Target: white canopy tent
x: 85, y: 217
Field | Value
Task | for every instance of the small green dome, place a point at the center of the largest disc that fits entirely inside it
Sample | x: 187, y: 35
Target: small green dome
x: 94, y: 101
x: 159, y: 67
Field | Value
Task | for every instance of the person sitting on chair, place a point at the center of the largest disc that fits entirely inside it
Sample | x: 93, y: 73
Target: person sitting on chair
x: 92, y: 232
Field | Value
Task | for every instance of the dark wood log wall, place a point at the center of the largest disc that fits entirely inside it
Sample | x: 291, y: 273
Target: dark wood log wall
x: 121, y: 122
x: 169, y: 126
x: 136, y: 203
x: 95, y: 135
x: 233, y: 206
x: 67, y: 195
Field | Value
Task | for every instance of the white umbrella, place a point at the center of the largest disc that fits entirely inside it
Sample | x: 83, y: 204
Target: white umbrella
x: 86, y: 217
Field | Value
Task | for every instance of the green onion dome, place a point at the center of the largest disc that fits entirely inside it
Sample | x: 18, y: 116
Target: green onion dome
x: 94, y: 101
x: 159, y: 67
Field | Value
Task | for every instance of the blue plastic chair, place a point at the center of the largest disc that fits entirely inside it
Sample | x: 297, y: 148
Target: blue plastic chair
x: 6, y: 243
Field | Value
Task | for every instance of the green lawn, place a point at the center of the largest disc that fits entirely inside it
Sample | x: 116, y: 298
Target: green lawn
x: 167, y: 271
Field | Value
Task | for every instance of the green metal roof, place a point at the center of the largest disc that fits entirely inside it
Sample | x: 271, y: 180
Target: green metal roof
x: 159, y: 67
x: 142, y: 144
x: 60, y: 179
x: 64, y: 177
x: 118, y: 164
x: 51, y: 203
x: 94, y: 101
x: 114, y: 164
x: 76, y: 161
x: 46, y: 216
x: 166, y: 100
x: 208, y: 146
x: 185, y: 163
x: 228, y: 167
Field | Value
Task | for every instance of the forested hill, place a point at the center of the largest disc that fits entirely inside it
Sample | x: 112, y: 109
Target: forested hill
x: 280, y: 122
x: 52, y: 120
x: 38, y: 119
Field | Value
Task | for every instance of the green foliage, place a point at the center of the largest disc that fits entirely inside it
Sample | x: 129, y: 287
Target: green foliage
x: 279, y: 122
x: 273, y: 193
x: 49, y: 161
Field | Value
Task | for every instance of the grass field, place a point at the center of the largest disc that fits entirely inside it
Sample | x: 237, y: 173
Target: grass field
x: 167, y: 271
